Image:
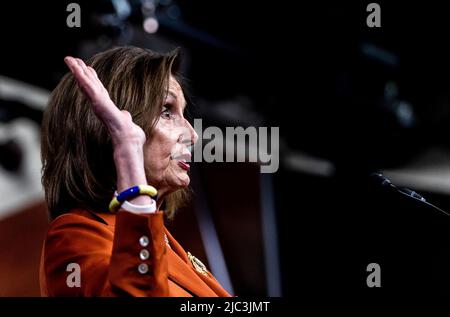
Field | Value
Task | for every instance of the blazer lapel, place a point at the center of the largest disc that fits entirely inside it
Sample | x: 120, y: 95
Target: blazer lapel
x: 182, y: 272
x: 208, y: 278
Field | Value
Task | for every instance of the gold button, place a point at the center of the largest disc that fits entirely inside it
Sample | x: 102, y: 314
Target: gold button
x: 143, y: 268
x: 143, y: 241
x: 144, y: 254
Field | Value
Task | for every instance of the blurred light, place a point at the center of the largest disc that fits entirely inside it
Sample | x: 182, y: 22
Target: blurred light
x: 405, y: 114
x: 379, y: 54
x: 122, y: 7
x: 148, y: 7
x: 151, y: 25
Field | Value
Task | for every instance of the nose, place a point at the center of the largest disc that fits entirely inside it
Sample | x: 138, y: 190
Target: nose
x: 189, y: 135
x: 194, y: 135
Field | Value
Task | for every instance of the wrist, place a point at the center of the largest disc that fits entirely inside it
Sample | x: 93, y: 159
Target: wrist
x: 141, y: 200
x: 129, y: 162
x: 129, y: 179
x: 128, y: 151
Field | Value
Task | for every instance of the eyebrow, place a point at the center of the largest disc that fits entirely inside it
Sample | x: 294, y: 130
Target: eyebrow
x: 171, y: 93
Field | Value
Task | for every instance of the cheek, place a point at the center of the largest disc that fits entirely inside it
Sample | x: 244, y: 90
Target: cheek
x: 159, y: 147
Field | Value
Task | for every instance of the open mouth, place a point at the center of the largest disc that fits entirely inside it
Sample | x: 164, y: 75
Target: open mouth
x: 183, y: 160
x: 184, y: 165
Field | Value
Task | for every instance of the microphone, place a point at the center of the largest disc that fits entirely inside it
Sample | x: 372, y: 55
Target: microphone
x: 411, y: 193
x: 382, y: 180
x: 385, y: 182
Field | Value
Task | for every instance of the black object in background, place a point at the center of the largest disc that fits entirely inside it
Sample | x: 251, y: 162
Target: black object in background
x: 340, y: 225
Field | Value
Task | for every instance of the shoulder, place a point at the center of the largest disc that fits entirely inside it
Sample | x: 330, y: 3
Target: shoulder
x: 77, y: 217
x: 77, y: 226
x: 78, y: 238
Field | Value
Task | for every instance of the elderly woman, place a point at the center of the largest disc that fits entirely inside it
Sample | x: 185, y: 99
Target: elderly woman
x: 115, y: 152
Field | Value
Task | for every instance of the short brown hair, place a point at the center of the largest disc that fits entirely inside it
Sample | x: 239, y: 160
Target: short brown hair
x: 78, y: 169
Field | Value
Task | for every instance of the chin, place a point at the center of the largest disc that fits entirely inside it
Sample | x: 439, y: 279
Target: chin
x: 184, y: 181
x: 177, y: 182
x: 180, y: 178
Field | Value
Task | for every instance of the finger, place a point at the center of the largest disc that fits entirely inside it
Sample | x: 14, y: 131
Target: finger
x: 92, y: 72
x: 82, y: 65
x: 82, y: 79
x: 74, y: 67
x: 79, y: 70
x: 69, y: 62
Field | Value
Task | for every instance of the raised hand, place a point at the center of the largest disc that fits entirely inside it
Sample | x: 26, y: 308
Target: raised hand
x: 127, y: 138
x: 118, y: 122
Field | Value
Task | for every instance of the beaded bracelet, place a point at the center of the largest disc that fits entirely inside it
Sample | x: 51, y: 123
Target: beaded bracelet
x: 131, y: 193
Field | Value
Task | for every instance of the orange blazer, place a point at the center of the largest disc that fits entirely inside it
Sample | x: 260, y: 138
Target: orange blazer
x: 109, y: 251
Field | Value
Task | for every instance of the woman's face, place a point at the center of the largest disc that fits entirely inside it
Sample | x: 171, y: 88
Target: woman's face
x: 167, y: 151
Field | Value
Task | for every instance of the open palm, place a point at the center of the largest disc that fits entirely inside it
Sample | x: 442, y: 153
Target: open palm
x: 118, y: 122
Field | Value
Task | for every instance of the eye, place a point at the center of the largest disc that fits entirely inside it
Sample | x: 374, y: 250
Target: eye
x: 166, y: 113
